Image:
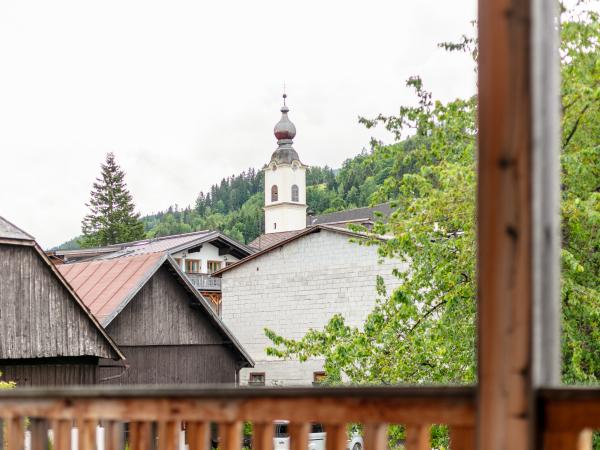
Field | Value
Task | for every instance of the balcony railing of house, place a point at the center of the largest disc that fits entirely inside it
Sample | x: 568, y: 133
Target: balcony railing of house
x: 204, y: 282
x: 156, y: 416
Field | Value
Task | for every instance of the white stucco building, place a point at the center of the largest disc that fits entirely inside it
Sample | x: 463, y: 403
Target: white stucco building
x: 300, y: 276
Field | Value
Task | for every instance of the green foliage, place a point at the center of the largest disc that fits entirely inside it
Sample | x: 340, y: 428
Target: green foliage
x: 112, y: 218
x: 6, y: 384
x: 424, y: 331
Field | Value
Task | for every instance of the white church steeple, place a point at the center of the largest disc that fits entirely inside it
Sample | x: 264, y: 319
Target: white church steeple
x: 285, y: 181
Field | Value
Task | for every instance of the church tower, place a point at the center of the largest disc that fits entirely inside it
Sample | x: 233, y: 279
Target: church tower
x: 285, y: 181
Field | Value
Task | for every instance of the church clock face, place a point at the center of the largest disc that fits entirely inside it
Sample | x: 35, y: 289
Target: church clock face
x: 295, y: 166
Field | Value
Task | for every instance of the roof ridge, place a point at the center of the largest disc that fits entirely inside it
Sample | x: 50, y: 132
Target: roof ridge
x: 17, y: 230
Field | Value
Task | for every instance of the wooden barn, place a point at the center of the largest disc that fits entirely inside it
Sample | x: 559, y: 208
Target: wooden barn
x: 164, y: 326
x: 47, y: 335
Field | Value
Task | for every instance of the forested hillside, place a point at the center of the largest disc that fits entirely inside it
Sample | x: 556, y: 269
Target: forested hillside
x: 234, y: 206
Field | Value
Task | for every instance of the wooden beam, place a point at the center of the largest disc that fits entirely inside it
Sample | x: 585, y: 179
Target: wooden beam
x: 505, y: 302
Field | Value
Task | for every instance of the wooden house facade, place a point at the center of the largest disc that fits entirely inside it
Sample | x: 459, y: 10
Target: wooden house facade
x: 47, y: 335
x: 167, y: 330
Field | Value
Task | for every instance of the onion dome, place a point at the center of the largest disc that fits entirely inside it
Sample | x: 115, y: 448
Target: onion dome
x: 285, y: 131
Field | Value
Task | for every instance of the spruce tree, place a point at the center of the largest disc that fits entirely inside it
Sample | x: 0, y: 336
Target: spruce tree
x: 112, y: 218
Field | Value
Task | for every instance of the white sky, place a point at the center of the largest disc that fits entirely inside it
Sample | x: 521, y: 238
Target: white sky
x: 187, y: 92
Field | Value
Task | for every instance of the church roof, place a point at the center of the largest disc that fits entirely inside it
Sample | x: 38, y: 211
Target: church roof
x: 352, y: 215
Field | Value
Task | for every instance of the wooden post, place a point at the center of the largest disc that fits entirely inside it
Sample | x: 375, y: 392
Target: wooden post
x: 376, y: 436
x: 515, y: 243
x: 417, y: 437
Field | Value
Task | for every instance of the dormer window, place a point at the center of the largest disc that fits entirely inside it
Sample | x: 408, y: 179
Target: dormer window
x: 274, y: 193
x: 295, y: 193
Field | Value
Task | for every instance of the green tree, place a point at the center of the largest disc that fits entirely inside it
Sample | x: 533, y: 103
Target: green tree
x: 424, y: 331
x: 112, y: 218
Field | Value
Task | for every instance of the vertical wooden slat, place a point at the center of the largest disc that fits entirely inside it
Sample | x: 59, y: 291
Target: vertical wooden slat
x: 569, y: 440
x: 39, y: 434
x: 376, y: 436
x: 113, y: 435
x: 198, y: 435
x: 462, y: 438
x: 299, y: 435
x: 506, y: 417
x: 15, y: 433
x: 61, y: 432
x: 336, y: 436
x: 87, y: 434
x: 417, y: 437
x: 168, y: 435
x: 134, y: 435
x: 231, y: 436
x: 262, y: 436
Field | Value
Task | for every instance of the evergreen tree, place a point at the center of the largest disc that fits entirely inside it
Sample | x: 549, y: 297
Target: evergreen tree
x: 112, y: 218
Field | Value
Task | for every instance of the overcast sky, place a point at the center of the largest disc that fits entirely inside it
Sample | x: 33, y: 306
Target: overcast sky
x: 187, y: 92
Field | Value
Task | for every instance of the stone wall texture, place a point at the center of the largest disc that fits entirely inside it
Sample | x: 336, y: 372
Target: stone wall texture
x: 298, y: 287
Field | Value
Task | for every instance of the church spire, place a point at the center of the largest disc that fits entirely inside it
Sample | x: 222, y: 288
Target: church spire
x: 285, y: 131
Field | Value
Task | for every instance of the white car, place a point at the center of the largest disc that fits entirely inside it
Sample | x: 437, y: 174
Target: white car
x: 316, y: 437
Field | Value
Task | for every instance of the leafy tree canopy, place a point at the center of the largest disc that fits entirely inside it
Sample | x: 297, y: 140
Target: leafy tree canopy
x: 424, y: 331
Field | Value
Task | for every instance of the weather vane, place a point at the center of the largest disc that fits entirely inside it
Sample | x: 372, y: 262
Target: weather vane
x: 284, y: 94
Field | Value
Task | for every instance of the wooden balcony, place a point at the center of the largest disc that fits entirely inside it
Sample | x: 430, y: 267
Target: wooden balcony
x: 204, y: 282
x: 155, y: 416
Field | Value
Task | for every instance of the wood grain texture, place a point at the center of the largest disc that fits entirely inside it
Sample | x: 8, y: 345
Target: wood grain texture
x: 61, y: 433
x: 462, y: 438
x: 78, y: 371
x: 39, y: 434
x: 568, y: 440
x: 506, y: 418
x: 198, y: 435
x: 39, y: 318
x: 15, y: 433
x: 168, y: 435
x: 262, y: 436
x: 298, y: 435
x: 376, y: 436
x: 231, y: 435
x: 173, y: 364
x: 161, y: 313
x: 417, y: 437
x: 337, y: 436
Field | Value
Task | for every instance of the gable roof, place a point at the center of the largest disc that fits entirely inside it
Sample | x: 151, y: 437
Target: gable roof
x: 8, y: 230
x: 292, y: 238
x: 351, y: 215
x: 168, y: 244
x: 265, y: 241
x: 107, y: 286
x: 10, y: 234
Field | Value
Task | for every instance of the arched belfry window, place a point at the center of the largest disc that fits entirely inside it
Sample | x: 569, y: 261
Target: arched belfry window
x: 274, y: 193
x: 295, y: 194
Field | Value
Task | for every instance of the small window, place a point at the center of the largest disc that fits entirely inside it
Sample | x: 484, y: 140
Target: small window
x: 295, y: 194
x: 274, y: 193
x: 319, y: 377
x: 213, y: 266
x: 192, y: 265
x: 257, y: 379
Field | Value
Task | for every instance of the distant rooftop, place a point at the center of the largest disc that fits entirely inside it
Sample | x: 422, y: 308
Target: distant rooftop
x: 168, y: 244
x: 351, y: 215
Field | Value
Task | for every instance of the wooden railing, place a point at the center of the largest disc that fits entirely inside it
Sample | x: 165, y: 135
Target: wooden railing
x: 154, y: 416
x: 204, y: 281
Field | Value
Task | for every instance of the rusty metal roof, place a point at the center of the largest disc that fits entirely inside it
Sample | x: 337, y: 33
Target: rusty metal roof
x: 265, y: 241
x: 107, y: 287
